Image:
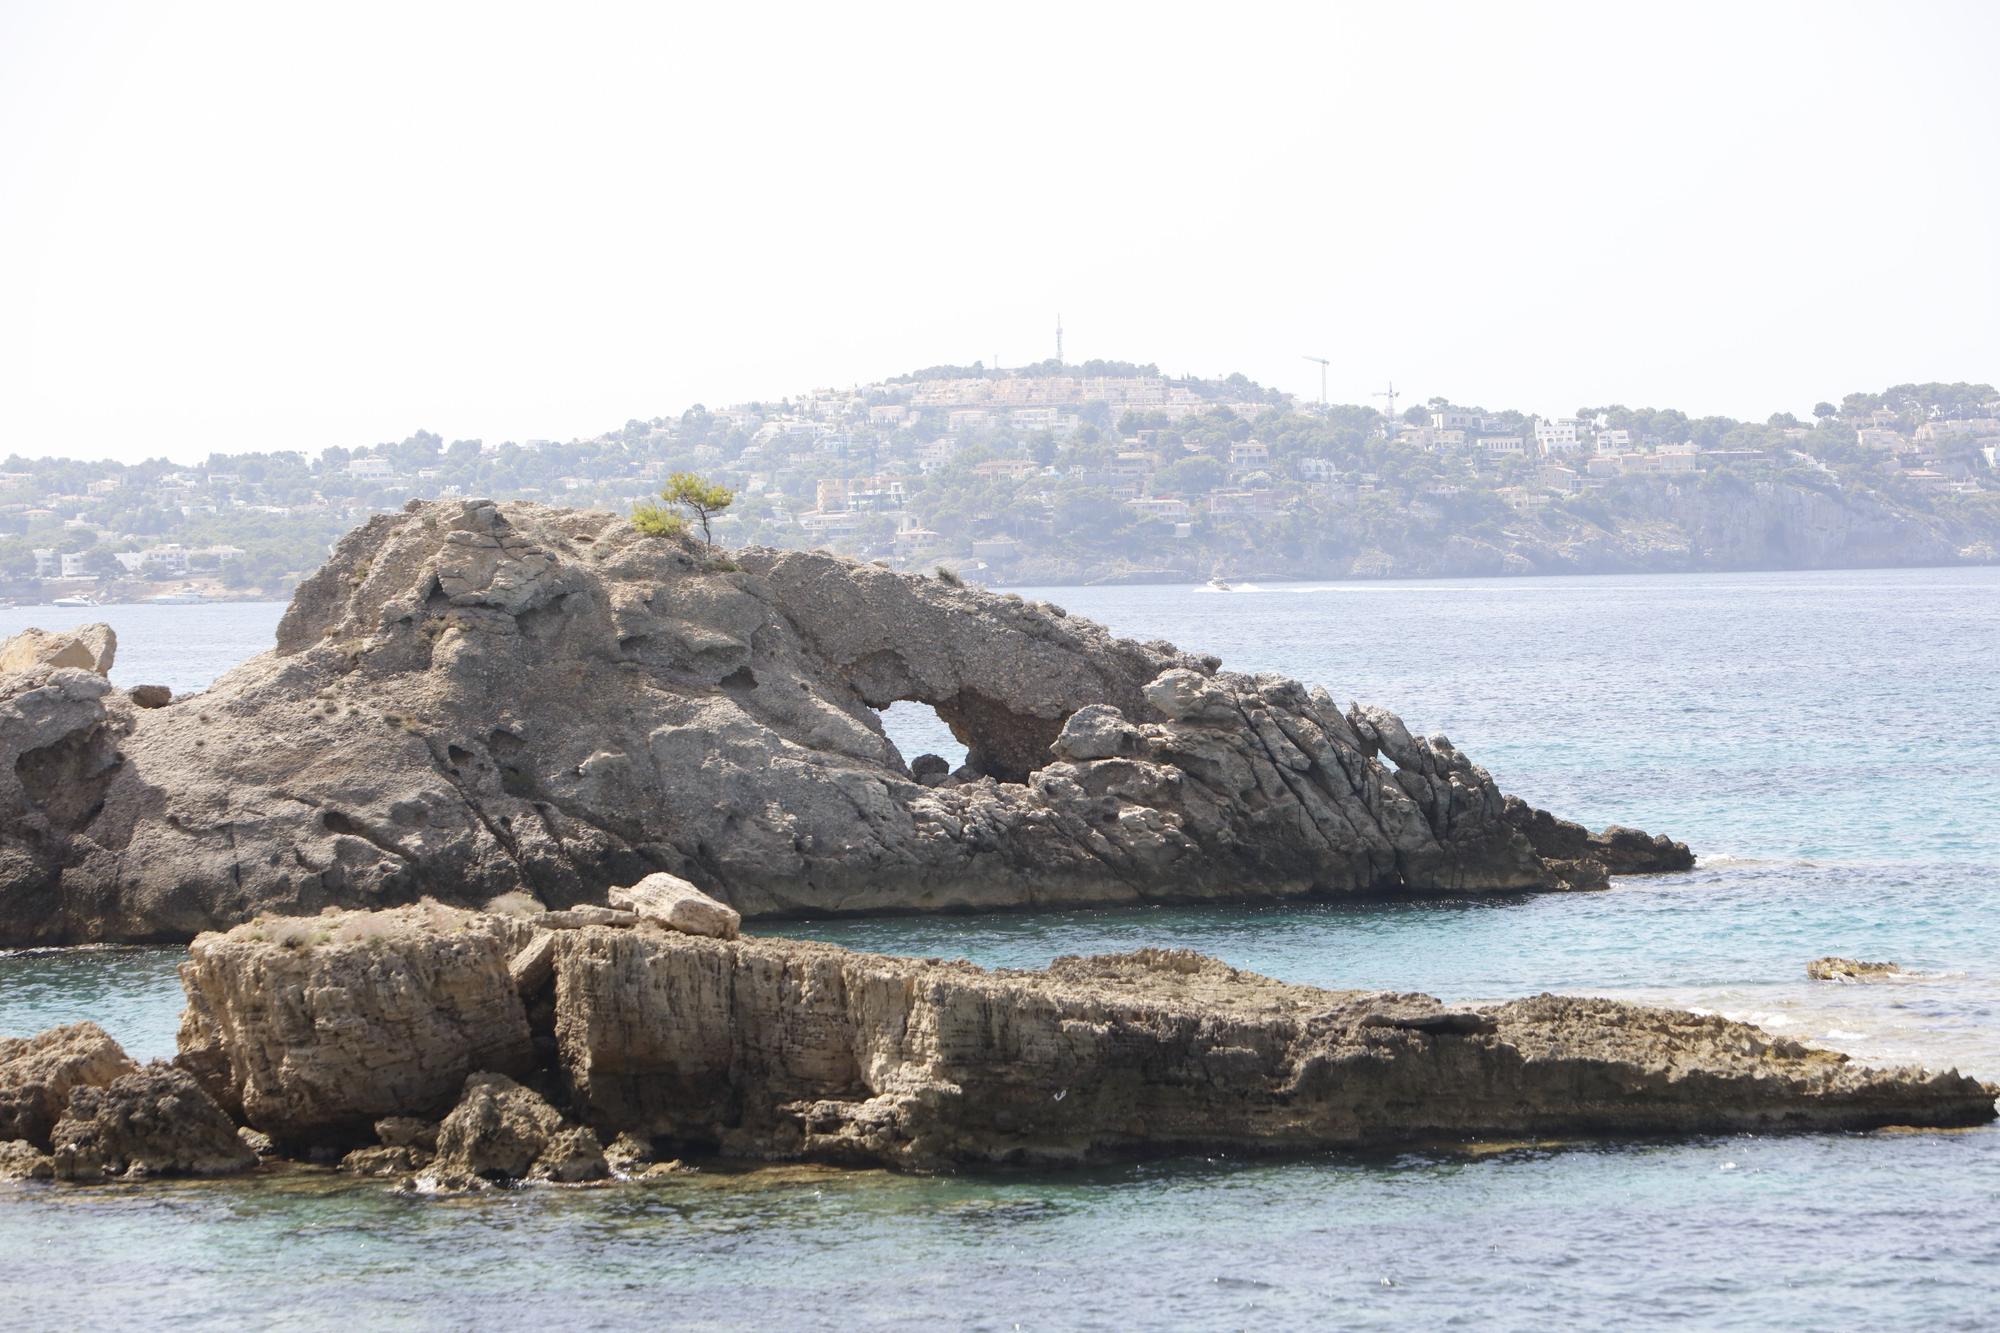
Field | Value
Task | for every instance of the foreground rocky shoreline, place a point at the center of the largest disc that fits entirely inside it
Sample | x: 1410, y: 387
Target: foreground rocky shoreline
x: 453, y: 1049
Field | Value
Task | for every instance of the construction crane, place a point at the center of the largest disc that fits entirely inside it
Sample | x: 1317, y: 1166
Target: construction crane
x: 1391, y: 395
x: 1322, y: 363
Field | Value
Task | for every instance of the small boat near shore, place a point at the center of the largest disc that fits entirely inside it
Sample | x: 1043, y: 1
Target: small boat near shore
x: 187, y: 596
x: 80, y: 599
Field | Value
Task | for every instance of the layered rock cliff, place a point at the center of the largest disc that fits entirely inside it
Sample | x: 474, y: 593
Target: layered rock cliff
x: 471, y: 699
x: 794, y: 1050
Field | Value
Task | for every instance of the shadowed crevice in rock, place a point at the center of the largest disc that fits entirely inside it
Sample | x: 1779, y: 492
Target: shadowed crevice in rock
x: 473, y: 698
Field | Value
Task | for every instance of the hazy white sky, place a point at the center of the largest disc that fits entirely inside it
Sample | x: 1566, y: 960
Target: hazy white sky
x: 289, y: 226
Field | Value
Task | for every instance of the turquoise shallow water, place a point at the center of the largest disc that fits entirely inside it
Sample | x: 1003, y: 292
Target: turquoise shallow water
x: 1829, y: 742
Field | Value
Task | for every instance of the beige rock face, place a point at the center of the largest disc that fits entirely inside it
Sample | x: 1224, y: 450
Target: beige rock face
x: 156, y: 1122
x: 22, y: 1160
x: 317, y: 1028
x: 86, y: 648
x: 672, y: 902
x: 474, y: 699
x: 792, y: 1049
x: 502, y: 1131
x: 37, y: 1075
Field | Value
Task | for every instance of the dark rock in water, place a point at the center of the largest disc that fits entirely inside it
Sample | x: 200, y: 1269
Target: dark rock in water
x: 1848, y: 969
x: 930, y: 770
x: 473, y: 699
x: 38, y: 1074
x: 1620, y: 850
x: 156, y: 1122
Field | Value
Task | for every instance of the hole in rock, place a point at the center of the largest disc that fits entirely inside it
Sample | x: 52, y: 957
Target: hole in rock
x: 915, y: 728
x: 743, y: 678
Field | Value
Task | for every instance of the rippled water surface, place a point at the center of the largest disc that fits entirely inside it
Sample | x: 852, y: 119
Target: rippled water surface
x: 1830, y: 743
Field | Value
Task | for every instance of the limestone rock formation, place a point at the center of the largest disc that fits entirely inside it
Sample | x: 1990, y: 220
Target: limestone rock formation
x: 88, y: 648
x: 1831, y: 968
x: 38, y: 1074
x: 672, y: 902
x: 21, y: 1160
x: 155, y: 1122
x: 473, y: 699
x: 502, y: 1131
x: 314, y: 1029
x: 790, y: 1049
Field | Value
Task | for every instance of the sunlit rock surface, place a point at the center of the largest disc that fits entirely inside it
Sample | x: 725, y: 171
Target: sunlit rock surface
x: 471, y: 699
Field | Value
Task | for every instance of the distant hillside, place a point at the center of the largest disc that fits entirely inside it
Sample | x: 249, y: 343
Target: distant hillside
x: 1104, y: 470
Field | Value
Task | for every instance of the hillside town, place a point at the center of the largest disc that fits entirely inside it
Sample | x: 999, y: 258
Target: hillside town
x: 1099, y: 471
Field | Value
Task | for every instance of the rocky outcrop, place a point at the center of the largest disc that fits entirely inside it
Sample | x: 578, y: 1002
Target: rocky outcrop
x: 89, y: 648
x: 473, y: 699
x: 21, y: 1160
x: 501, y: 1131
x: 1849, y: 969
x: 665, y: 1042
x: 314, y: 1029
x: 1620, y: 850
x: 155, y: 1122
x: 675, y: 904
x: 798, y: 1050
x: 38, y: 1074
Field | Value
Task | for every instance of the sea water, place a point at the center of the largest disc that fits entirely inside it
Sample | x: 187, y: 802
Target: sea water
x: 1829, y: 743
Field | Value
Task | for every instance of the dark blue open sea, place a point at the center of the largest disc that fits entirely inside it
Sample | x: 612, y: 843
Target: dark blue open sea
x: 1829, y: 743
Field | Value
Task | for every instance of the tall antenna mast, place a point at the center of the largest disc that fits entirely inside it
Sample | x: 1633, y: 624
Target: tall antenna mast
x: 1059, y: 359
x: 1391, y: 395
x: 1323, y: 363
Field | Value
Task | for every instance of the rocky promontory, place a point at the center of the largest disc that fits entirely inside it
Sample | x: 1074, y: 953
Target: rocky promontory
x: 472, y: 699
x: 415, y: 1043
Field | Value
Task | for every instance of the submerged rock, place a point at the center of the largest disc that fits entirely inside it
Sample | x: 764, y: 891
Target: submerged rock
x: 796, y: 1050
x: 473, y: 699
x: 38, y: 1074
x: 156, y: 1122
x: 1848, y: 969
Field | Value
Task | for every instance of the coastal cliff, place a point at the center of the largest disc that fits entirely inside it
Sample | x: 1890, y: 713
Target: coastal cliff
x: 321, y: 1031
x: 473, y: 699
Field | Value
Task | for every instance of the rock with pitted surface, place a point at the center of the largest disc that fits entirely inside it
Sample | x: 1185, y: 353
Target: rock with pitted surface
x: 501, y: 1131
x: 672, y: 902
x: 155, y: 1122
x: 796, y: 1050
x: 1831, y: 968
x: 471, y: 699
x: 38, y: 1073
x: 314, y: 1029
x: 22, y: 1160
x: 790, y: 1049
